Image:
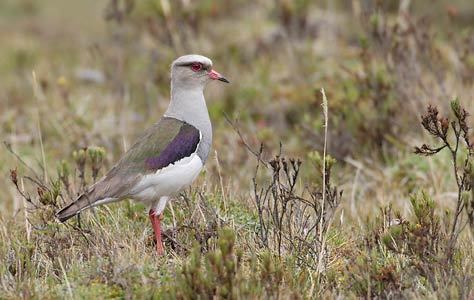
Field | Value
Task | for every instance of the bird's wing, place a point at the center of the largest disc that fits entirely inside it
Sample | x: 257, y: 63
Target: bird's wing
x: 166, y: 142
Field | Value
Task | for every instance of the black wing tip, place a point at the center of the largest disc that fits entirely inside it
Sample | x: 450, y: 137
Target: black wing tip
x: 67, y: 212
x: 62, y: 216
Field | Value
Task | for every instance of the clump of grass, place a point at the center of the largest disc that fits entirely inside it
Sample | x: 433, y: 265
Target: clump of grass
x: 401, y: 254
x: 289, y: 220
x: 292, y: 221
x: 224, y: 273
x: 195, y: 219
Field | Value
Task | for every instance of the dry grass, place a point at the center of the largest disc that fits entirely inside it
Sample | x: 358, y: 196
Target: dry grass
x: 69, y: 84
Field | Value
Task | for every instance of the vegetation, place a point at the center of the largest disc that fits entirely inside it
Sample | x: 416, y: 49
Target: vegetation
x: 365, y: 193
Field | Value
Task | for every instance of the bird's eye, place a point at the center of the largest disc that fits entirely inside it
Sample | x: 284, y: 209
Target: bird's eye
x: 196, y: 67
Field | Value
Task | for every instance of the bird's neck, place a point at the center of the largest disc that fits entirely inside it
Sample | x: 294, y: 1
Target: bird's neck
x: 188, y: 105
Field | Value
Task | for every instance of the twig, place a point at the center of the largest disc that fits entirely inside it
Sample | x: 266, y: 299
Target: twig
x: 21, y: 191
x: 9, y: 148
x: 242, y: 139
x: 325, y: 112
x: 221, y: 182
x: 68, y: 285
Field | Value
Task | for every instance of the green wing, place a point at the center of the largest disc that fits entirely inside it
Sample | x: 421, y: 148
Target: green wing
x: 164, y: 143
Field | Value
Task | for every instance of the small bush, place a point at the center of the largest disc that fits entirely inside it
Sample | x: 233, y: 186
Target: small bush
x: 224, y: 273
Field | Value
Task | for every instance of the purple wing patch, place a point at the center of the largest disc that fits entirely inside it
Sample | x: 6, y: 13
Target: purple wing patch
x: 183, y: 145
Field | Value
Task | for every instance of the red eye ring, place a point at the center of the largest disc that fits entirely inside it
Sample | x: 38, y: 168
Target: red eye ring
x: 196, y: 67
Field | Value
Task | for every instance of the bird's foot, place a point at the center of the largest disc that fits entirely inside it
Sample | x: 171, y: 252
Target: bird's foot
x: 156, y: 224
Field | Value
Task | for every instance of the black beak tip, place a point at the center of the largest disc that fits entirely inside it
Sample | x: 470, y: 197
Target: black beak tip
x: 223, y: 79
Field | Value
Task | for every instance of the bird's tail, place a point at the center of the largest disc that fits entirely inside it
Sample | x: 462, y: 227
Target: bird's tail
x: 81, y: 203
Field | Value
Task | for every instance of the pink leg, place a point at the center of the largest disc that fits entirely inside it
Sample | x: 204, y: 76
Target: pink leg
x: 156, y: 224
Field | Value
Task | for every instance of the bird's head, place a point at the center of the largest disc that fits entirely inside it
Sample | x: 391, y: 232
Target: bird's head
x: 194, y: 71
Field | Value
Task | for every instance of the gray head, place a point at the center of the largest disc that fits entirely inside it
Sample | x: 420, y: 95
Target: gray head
x: 193, y: 71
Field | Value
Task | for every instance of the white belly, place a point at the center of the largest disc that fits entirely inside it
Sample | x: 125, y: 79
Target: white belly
x: 167, y: 181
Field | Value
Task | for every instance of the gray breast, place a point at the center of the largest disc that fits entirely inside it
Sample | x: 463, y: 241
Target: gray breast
x: 206, y: 142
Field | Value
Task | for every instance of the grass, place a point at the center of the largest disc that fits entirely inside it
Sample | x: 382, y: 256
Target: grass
x: 98, y: 84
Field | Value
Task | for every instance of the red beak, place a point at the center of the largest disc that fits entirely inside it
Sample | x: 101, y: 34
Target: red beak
x: 214, y: 75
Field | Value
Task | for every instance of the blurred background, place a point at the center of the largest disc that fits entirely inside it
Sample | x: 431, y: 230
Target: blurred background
x: 95, y: 73
x: 80, y: 80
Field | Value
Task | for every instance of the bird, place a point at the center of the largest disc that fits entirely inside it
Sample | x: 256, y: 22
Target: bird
x: 168, y: 156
